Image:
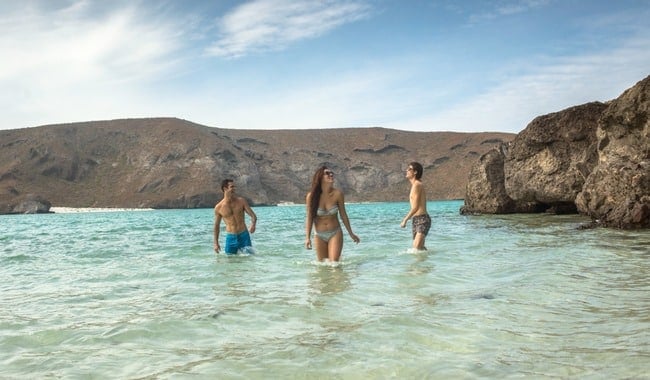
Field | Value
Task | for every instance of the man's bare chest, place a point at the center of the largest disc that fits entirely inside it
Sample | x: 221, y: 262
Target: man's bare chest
x: 231, y: 209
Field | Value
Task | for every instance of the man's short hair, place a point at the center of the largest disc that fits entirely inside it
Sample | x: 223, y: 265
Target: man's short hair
x: 417, y: 168
x: 225, y: 183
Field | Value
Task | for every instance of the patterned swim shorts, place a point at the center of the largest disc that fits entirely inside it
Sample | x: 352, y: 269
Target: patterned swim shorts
x: 421, y: 224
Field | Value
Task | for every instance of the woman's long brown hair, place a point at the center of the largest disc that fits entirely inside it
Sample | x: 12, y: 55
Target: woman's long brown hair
x: 316, y: 190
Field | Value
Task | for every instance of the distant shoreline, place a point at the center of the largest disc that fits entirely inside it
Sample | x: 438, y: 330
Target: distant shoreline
x: 69, y: 210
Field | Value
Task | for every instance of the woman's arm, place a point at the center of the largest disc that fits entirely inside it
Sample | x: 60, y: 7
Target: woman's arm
x: 344, y: 216
x: 308, y: 222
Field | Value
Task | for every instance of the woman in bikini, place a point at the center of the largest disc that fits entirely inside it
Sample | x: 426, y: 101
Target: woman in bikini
x: 324, y: 204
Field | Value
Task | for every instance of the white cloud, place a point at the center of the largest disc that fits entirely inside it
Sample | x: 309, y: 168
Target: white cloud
x: 268, y: 25
x: 77, y: 61
x: 378, y: 96
x: 550, y: 87
x: 117, y: 45
x: 506, y: 8
x: 329, y: 101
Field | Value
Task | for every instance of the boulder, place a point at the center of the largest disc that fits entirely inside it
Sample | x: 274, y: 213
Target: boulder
x: 486, y: 191
x: 32, y: 204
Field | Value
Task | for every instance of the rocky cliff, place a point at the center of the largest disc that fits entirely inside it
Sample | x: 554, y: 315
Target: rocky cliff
x: 172, y: 163
x: 593, y: 159
x: 617, y: 191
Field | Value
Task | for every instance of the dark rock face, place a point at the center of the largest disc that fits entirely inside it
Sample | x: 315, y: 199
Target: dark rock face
x: 593, y: 159
x: 549, y: 161
x: 205, y: 200
x: 617, y: 192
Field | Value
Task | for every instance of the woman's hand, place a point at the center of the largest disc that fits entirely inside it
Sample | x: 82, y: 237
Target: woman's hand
x: 355, y: 238
x: 308, y: 243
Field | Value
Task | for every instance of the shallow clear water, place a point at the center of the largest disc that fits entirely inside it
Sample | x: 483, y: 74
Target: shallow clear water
x: 141, y: 294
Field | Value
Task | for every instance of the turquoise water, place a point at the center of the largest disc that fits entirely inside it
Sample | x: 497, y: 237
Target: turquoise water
x: 141, y: 295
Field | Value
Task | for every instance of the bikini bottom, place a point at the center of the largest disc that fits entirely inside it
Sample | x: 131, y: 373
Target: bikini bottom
x: 327, y: 235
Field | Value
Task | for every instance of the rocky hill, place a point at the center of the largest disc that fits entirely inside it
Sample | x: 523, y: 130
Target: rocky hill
x: 173, y: 163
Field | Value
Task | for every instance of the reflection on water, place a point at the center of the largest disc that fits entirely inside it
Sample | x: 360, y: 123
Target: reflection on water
x: 329, y: 279
x: 420, y: 265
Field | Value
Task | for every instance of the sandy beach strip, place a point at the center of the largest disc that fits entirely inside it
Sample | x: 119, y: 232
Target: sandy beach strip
x: 67, y: 210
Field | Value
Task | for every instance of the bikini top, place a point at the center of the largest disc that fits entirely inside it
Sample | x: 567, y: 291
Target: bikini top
x: 333, y: 211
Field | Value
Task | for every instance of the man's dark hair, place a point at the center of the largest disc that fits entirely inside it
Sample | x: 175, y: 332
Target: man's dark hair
x: 417, y: 168
x: 225, y: 183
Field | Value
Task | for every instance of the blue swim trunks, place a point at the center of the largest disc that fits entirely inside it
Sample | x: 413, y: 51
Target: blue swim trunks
x: 235, y: 242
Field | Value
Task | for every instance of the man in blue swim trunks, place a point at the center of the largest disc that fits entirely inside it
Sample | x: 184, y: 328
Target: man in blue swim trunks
x: 418, y: 211
x: 231, y: 209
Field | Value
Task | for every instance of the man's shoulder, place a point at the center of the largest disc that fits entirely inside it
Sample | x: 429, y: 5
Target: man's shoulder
x: 416, y: 183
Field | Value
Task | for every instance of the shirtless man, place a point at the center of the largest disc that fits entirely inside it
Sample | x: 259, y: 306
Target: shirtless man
x: 231, y: 210
x: 418, y: 199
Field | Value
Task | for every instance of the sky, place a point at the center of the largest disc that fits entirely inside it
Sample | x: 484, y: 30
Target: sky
x: 438, y: 65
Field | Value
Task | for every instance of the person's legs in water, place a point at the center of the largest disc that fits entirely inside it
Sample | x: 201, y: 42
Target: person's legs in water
x: 335, y: 246
x: 329, y: 244
x: 321, y: 249
x: 418, y: 242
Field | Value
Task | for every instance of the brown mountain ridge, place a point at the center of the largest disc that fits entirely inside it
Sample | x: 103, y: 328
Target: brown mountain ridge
x: 174, y: 163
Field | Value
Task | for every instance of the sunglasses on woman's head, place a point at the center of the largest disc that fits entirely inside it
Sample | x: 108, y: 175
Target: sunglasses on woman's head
x: 329, y: 173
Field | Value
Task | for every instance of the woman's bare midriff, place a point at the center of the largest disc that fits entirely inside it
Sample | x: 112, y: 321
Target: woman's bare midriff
x: 326, y: 223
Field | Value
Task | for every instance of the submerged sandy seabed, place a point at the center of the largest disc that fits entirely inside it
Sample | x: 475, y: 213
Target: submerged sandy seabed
x: 65, y: 210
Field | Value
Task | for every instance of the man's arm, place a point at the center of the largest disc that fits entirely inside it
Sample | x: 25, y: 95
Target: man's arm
x: 250, y: 213
x: 217, y: 226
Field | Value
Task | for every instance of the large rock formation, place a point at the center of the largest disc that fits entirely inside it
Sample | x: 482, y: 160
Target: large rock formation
x: 172, y: 163
x: 592, y: 159
x: 617, y: 192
